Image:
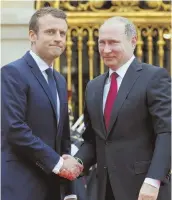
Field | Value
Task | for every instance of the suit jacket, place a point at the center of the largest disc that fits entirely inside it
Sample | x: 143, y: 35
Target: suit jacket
x: 32, y: 139
x: 137, y: 144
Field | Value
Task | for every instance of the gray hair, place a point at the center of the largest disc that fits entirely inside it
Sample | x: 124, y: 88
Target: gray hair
x: 130, y: 29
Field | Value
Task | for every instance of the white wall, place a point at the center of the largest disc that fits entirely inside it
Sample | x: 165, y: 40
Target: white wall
x: 15, y: 16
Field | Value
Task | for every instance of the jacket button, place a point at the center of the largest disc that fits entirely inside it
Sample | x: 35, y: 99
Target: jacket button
x: 105, y: 167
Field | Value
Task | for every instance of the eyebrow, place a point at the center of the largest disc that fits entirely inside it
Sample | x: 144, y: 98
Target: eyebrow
x: 53, y: 29
x: 50, y: 29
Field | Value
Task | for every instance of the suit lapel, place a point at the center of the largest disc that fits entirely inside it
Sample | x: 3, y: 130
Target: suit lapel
x: 99, y: 101
x: 37, y: 73
x: 128, y: 81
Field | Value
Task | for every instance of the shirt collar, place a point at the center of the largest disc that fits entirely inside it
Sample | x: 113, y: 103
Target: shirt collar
x: 123, y: 69
x: 41, y: 64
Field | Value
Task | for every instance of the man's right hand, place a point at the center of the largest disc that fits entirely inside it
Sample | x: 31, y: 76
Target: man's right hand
x: 71, y: 168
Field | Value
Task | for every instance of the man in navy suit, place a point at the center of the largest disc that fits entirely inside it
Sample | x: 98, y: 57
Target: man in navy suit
x: 35, y: 124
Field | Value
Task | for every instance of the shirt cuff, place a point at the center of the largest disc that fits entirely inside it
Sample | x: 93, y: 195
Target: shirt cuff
x: 58, y: 166
x: 70, y: 196
x: 153, y: 182
x: 74, y: 149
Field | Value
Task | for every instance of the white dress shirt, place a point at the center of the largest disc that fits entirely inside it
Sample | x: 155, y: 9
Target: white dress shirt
x: 121, y: 73
x: 43, y: 66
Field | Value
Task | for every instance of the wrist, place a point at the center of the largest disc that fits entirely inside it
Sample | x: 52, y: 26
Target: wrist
x: 153, y: 182
x: 58, y: 167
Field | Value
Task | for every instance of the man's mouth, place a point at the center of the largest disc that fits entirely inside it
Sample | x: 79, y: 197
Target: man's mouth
x: 108, y: 57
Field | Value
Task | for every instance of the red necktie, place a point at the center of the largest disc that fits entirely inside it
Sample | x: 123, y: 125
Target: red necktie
x: 110, y: 99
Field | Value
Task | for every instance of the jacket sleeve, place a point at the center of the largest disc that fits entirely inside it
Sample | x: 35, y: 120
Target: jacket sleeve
x: 159, y: 105
x: 14, y: 124
x: 66, y: 141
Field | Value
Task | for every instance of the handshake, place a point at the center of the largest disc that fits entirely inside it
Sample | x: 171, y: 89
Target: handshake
x: 71, y: 168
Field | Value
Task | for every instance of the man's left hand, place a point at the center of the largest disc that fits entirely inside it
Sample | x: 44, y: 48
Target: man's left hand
x: 148, y: 192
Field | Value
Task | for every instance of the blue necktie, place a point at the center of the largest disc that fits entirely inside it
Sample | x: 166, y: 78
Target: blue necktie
x: 52, y: 85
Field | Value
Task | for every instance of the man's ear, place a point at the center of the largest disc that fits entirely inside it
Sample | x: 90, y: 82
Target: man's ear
x: 134, y: 41
x: 32, y: 36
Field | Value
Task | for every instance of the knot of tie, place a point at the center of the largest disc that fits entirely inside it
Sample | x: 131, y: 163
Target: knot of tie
x: 49, y: 71
x: 114, y: 75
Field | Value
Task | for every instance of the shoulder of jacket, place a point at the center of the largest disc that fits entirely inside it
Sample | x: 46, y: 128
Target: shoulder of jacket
x: 96, y: 79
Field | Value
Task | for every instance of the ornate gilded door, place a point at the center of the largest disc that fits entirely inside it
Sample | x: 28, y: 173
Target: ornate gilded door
x: 81, y: 61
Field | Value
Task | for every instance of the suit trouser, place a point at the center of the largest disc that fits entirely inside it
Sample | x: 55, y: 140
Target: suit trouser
x: 109, y: 193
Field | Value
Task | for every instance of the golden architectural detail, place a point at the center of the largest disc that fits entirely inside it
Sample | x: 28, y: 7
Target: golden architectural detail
x: 69, y: 44
x: 57, y: 64
x: 161, y: 44
x: 150, y: 46
x: 40, y: 4
x: 148, y: 32
x: 139, y: 51
x: 79, y: 32
x: 120, y: 6
x: 90, y: 44
x: 158, y: 5
x: 152, y: 20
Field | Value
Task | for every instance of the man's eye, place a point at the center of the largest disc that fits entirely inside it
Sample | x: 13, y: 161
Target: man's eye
x: 114, y: 42
x: 50, y: 31
x: 62, y: 33
x: 101, y: 42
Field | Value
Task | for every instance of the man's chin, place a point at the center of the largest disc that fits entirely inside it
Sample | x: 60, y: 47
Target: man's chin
x: 110, y: 64
x: 56, y: 55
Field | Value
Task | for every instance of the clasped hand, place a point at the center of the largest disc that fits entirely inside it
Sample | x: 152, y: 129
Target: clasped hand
x: 71, y: 168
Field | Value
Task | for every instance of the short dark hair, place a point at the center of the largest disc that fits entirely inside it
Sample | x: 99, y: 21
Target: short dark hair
x: 33, y: 24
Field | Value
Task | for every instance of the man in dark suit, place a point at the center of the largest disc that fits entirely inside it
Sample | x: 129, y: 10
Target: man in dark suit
x: 35, y: 125
x: 128, y: 128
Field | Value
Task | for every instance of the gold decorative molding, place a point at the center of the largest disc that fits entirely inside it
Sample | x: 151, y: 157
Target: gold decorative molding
x: 117, y: 6
x: 153, y: 23
x: 159, y: 5
x: 94, y: 12
x: 69, y: 44
x: 91, y: 44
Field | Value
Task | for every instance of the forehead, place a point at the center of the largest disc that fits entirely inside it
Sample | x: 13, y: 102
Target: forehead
x: 112, y: 31
x: 50, y: 22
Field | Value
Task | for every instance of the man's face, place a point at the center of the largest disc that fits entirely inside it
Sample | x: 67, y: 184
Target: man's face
x: 114, y: 46
x: 50, y: 40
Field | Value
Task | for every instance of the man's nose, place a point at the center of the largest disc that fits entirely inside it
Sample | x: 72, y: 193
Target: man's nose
x: 58, y: 37
x: 107, y: 49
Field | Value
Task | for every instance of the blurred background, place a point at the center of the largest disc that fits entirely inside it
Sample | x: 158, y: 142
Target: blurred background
x: 81, y: 61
